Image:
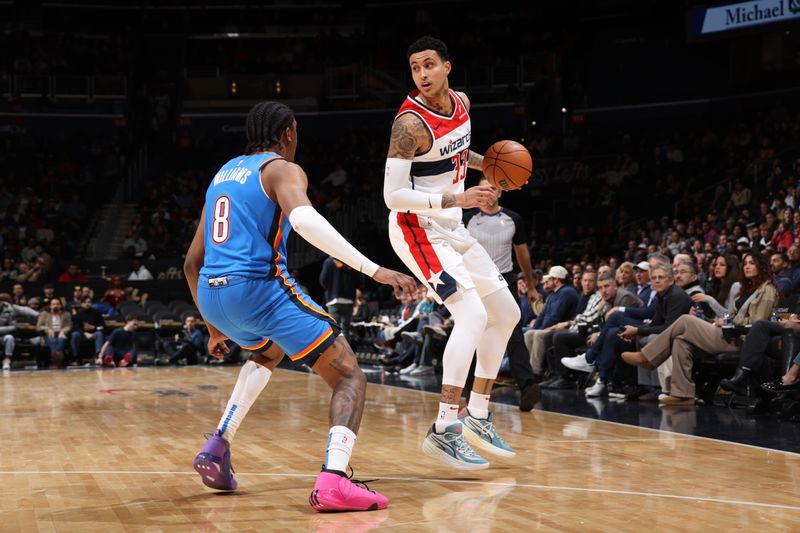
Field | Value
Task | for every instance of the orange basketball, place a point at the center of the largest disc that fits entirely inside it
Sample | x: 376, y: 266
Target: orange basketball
x: 507, y: 165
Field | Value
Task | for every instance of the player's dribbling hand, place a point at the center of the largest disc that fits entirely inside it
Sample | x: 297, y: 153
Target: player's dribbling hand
x: 478, y: 196
x: 400, y: 282
x: 216, y: 345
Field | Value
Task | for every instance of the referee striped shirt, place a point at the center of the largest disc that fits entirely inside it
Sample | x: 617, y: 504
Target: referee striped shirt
x: 497, y: 233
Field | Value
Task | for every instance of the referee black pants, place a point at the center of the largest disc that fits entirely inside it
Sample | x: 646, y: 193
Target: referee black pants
x: 518, y: 355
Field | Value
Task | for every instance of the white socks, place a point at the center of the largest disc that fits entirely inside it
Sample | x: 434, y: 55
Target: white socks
x: 478, y: 406
x: 448, y: 414
x: 252, y: 380
x: 340, y: 446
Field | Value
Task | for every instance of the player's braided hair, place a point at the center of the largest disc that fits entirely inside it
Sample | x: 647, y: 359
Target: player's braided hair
x: 266, y: 121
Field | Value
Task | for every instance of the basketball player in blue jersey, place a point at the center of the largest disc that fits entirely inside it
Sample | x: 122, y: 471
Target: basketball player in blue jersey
x: 424, y: 188
x: 236, y: 270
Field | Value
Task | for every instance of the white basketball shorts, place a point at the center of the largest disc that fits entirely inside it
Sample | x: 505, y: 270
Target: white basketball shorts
x: 443, y: 257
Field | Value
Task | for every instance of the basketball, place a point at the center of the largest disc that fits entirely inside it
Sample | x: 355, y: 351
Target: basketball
x: 507, y: 165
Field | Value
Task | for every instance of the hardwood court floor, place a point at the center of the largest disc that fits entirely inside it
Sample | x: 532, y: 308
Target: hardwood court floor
x: 112, y: 451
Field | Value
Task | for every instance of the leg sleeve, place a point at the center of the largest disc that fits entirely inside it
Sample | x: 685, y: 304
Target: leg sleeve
x: 502, y: 314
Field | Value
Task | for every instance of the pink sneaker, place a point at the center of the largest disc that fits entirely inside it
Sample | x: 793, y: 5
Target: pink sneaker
x: 333, y: 491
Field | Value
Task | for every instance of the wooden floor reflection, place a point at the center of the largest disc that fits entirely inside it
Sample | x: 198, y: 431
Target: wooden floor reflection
x: 112, y: 451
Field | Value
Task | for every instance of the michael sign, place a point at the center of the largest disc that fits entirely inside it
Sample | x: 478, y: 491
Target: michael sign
x: 744, y: 15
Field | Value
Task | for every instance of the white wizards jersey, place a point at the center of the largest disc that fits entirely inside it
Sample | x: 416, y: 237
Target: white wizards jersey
x: 441, y: 169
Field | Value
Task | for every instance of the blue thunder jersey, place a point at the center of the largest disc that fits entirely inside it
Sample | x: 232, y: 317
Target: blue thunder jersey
x: 245, y: 232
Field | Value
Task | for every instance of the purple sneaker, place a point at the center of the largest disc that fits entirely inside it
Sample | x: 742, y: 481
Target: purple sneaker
x: 213, y: 464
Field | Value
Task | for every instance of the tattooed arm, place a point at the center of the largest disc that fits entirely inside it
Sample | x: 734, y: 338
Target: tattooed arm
x: 409, y: 136
x: 475, y: 161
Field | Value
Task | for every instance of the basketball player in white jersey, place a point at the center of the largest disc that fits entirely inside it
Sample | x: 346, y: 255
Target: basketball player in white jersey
x: 424, y: 189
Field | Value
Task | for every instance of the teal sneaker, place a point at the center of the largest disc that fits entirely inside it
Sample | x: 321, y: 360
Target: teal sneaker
x: 452, y: 448
x: 482, y: 434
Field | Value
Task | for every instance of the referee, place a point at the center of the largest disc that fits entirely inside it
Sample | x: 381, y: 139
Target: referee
x: 499, y: 231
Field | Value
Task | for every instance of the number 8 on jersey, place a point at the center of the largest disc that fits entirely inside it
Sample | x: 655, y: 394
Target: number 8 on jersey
x: 221, y: 226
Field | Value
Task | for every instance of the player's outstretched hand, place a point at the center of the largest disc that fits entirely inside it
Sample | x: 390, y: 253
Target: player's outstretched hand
x: 478, y: 196
x: 400, y: 282
x: 216, y: 344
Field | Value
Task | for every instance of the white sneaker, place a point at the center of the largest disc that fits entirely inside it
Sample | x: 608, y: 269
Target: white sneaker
x: 600, y: 388
x: 422, y: 370
x: 409, y: 369
x: 6, y: 364
x: 578, y: 363
x: 662, y: 397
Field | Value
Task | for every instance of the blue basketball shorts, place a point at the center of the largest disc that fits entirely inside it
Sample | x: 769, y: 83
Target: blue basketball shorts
x: 254, y: 311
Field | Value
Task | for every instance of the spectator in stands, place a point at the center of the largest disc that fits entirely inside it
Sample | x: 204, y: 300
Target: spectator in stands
x: 8, y: 323
x: 642, y: 274
x: 779, y: 263
x: 74, y: 305
x: 56, y: 324
x: 48, y: 295
x: 134, y: 245
x: 782, y: 239
x: 565, y: 341
x: 35, y: 303
x: 187, y: 346
x: 686, y: 278
x: 72, y: 274
x: 537, y: 296
x: 28, y: 252
x: 434, y: 337
x: 675, y: 244
x: 524, y: 302
x: 752, y: 235
x: 669, y: 303
x: 404, y: 316
x: 418, y: 343
x: 688, y: 335
x: 360, y: 308
x: 9, y: 271
x: 789, y: 382
x: 752, y: 368
x: 766, y: 235
x: 120, y: 347
x: 44, y: 258
x: 681, y: 259
x: 30, y: 274
x: 139, y: 272
x: 115, y: 292
x: 725, y: 286
x: 741, y: 195
x: 88, y: 326
x: 577, y: 277
x: 587, y: 288
x: 410, y: 333
x: 560, y: 306
x: 794, y: 260
x: 340, y: 283
x: 18, y: 296
x: 626, y: 279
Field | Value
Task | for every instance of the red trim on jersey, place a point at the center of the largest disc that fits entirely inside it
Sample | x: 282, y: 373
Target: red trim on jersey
x: 437, y: 123
x: 419, y: 245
